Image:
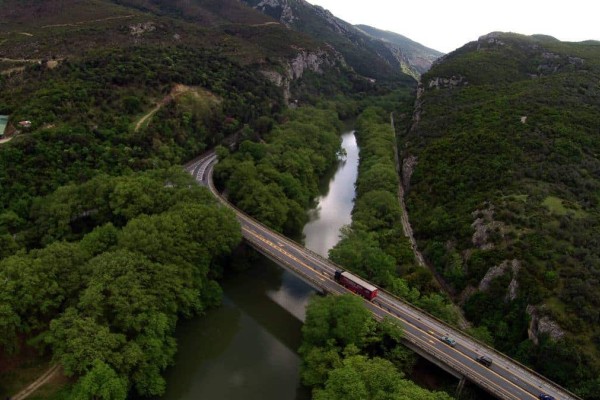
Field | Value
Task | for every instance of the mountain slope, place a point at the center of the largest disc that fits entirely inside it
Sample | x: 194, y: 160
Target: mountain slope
x: 416, y: 57
x: 368, y: 56
x: 505, y: 196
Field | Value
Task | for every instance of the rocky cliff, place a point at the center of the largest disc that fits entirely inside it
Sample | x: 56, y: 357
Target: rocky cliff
x: 314, y: 61
x: 367, y: 55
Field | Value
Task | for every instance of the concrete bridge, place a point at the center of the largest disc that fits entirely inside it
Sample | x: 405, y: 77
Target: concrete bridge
x: 504, y: 378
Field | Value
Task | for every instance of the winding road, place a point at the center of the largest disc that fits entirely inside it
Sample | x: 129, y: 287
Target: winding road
x: 505, y: 378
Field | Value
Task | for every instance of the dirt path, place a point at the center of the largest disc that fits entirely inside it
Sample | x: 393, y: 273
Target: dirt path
x: 5, y: 140
x: 20, y: 60
x: 45, y: 377
x: 89, y: 21
x: 145, y: 117
x: 267, y: 23
x: 178, y: 90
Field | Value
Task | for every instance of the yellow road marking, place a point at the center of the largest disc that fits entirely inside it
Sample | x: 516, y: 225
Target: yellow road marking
x: 461, y: 353
x: 263, y: 239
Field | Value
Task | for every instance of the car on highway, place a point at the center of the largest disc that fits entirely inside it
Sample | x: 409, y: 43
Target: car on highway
x: 448, y: 340
x: 485, y: 360
x: 544, y: 396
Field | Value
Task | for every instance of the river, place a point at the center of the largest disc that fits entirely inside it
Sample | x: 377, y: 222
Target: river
x: 247, y: 348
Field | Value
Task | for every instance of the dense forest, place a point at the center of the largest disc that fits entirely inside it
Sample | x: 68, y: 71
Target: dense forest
x: 504, y: 197
x: 124, y: 258
x: 82, y: 115
x: 347, y: 354
x: 276, y: 179
x: 105, y: 243
x: 374, y: 245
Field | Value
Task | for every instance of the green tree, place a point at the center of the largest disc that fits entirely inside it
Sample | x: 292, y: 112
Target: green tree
x: 336, y: 321
x: 100, y: 383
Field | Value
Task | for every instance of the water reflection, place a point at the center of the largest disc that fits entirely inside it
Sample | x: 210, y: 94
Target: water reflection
x: 335, y: 207
x: 247, y: 348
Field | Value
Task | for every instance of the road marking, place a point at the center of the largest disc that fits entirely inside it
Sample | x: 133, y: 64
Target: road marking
x: 268, y: 242
x: 459, y: 352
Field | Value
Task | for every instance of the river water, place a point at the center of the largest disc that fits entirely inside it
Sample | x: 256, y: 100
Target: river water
x: 247, y: 348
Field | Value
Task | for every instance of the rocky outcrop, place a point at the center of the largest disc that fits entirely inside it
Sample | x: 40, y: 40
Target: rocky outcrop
x: 447, y: 83
x: 507, y: 265
x: 542, y: 324
x: 141, y: 28
x: 315, y: 61
x: 485, y: 226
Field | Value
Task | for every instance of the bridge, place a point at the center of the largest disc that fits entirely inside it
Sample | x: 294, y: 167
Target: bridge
x: 505, y: 378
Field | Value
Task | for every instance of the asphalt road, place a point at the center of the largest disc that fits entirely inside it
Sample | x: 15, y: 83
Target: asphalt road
x: 505, y: 378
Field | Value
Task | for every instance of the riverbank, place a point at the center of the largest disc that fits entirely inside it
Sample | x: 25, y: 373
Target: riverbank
x: 255, y: 334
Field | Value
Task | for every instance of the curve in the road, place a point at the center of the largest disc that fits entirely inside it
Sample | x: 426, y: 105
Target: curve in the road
x: 505, y: 378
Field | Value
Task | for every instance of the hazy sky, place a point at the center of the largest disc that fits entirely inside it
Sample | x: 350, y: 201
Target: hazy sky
x: 447, y: 25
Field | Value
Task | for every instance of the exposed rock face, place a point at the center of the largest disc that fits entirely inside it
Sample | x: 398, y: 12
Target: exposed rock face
x: 484, y: 225
x: 491, y: 38
x: 540, y: 325
x: 278, y: 9
x: 308, y: 61
x: 296, y: 67
x: 408, y: 167
x: 141, y: 28
x: 507, y: 265
x: 338, y: 25
x: 447, y: 83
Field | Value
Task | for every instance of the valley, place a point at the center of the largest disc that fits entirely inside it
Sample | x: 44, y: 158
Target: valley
x: 479, y: 203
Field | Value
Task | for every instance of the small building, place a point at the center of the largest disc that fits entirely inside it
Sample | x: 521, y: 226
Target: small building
x: 3, y: 123
x: 25, y: 124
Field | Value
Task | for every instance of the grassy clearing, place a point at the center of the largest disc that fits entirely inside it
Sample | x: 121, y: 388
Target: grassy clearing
x: 196, y: 101
x: 556, y: 206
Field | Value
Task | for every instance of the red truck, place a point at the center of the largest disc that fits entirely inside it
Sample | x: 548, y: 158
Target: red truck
x: 355, y: 284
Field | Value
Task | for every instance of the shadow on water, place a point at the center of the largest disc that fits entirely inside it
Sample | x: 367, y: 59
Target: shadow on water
x: 246, y: 348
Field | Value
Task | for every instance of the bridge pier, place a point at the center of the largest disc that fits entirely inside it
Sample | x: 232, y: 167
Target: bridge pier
x: 459, y: 388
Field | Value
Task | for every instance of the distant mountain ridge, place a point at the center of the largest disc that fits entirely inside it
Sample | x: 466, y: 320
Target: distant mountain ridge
x: 418, y: 56
x: 371, y: 52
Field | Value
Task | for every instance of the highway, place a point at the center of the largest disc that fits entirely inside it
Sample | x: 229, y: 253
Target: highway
x: 505, y: 378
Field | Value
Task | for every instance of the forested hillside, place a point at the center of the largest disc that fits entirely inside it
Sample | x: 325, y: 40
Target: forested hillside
x: 505, y: 198
x: 105, y: 243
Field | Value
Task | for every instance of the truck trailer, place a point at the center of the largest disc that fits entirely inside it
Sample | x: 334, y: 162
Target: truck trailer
x: 356, y: 284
